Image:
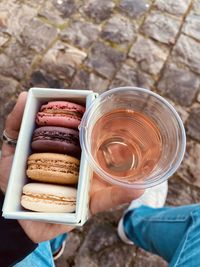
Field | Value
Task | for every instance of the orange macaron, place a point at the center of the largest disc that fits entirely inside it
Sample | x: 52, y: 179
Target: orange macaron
x: 53, y: 168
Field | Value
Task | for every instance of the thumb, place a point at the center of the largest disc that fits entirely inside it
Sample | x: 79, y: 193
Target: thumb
x: 111, y: 197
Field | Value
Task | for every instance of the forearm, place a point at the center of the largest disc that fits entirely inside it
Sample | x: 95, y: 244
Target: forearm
x: 15, y: 244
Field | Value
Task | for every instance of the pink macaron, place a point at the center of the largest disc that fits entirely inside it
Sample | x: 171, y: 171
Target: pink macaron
x: 60, y: 113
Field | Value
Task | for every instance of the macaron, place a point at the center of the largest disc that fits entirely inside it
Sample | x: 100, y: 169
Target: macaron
x: 48, y: 198
x: 60, y: 113
x: 53, y: 168
x: 56, y: 139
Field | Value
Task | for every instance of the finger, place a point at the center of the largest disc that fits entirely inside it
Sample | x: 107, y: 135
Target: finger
x: 14, y: 119
x: 5, y: 172
x: 40, y: 231
x: 7, y: 150
x: 111, y: 197
x: 13, y: 123
x: 54, y: 231
x: 98, y: 183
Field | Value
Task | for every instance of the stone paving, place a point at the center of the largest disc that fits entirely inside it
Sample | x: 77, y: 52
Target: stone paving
x: 101, y: 44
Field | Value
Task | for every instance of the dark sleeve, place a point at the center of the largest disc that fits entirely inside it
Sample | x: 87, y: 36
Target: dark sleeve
x: 14, y: 245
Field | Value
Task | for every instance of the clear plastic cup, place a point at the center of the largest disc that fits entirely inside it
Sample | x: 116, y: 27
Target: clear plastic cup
x: 132, y: 137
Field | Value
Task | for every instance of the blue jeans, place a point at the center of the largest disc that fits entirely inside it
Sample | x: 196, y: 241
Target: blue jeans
x: 170, y: 232
x: 42, y: 256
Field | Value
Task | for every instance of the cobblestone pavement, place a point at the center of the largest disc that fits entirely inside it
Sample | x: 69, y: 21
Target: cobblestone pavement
x: 100, y: 44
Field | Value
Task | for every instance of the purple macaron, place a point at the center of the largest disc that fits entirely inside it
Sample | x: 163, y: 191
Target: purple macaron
x: 56, y: 139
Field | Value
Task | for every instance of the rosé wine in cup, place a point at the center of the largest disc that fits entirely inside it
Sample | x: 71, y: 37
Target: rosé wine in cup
x: 132, y: 137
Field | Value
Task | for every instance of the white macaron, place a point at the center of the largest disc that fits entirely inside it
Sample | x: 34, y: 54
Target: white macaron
x: 48, y: 198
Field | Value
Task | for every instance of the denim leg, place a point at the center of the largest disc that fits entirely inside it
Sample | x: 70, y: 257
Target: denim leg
x: 56, y: 243
x: 40, y: 257
x: 188, y: 252
x: 161, y: 231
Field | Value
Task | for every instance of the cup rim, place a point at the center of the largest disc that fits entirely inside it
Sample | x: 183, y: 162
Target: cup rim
x: 108, y: 178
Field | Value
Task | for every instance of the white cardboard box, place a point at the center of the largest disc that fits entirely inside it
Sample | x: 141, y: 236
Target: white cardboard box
x: 12, y: 208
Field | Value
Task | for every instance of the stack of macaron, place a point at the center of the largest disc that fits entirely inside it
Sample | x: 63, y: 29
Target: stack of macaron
x: 55, y: 160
